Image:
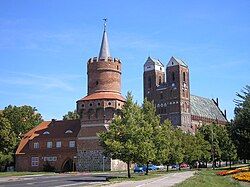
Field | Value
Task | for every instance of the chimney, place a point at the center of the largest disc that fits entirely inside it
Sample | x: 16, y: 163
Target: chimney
x: 225, y: 113
x: 217, y: 101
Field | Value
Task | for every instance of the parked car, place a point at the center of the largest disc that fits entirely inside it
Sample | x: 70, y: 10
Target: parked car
x: 139, y: 168
x: 151, y: 167
x: 159, y: 167
x: 184, y: 165
x: 175, y: 166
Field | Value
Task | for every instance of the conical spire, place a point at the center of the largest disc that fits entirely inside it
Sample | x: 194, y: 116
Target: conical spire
x: 104, y: 51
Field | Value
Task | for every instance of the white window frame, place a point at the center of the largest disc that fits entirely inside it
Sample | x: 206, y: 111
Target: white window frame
x: 49, y: 144
x: 72, y: 143
x: 35, y: 161
x: 36, y: 145
x: 58, y: 144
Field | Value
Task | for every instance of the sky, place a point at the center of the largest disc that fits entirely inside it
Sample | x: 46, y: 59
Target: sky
x: 45, y: 46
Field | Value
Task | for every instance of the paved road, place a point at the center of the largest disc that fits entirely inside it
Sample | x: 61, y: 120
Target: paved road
x: 87, y: 179
x: 164, y: 181
x: 58, y: 180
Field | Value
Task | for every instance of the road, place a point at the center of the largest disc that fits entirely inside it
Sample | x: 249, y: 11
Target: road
x: 87, y: 179
x: 57, y: 180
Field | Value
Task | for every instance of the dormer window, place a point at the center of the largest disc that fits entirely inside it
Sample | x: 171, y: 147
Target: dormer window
x: 68, y: 131
x: 46, y: 132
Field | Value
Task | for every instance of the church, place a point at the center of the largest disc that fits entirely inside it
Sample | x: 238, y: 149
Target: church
x: 73, y: 145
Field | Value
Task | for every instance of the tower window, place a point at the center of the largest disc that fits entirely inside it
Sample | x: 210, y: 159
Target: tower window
x: 149, y: 82
x: 117, y: 67
x: 184, y: 76
x: 109, y: 103
x: 160, y: 80
x: 96, y: 83
x: 173, y: 76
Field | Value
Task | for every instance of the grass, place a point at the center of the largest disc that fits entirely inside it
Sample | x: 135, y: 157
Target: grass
x: 208, y: 178
x: 15, y: 173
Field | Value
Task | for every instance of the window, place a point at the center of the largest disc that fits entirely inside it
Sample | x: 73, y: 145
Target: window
x: 68, y: 131
x: 34, y: 161
x: 58, y: 144
x: 49, y: 144
x: 50, y: 158
x: 160, y: 80
x: 72, y: 143
x: 149, y: 82
x: 36, y: 145
x: 161, y: 95
x: 184, y: 76
x: 109, y: 103
x: 96, y: 82
x: 173, y: 76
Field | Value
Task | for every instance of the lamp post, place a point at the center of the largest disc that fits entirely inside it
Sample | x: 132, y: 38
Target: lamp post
x: 103, y: 168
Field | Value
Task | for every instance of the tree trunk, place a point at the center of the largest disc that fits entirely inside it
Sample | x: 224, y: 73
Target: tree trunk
x: 179, y: 167
x: 128, y: 167
x: 226, y: 163
x: 206, y: 164
x: 167, y: 168
x: 147, y: 169
x: 245, y: 161
x: 219, y: 163
x: 230, y: 164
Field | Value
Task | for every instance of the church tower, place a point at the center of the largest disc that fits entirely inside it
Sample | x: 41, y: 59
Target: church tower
x: 98, y: 108
x: 177, y: 76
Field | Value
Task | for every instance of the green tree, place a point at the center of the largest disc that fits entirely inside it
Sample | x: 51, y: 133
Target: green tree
x: 7, y: 141
x: 121, y: 140
x: 71, y: 115
x: 14, y: 122
x: 176, y: 147
x: 22, y: 118
x: 163, y: 135
x: 240, y: 129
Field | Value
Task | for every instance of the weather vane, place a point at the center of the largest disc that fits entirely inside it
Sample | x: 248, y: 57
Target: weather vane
x: 105, y: 23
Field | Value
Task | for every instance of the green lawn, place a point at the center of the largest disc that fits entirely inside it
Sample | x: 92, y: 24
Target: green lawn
x: 14, y: 173
x: 208, y: 178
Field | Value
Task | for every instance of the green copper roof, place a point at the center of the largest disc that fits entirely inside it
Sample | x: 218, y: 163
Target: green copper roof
x: 205, y: 107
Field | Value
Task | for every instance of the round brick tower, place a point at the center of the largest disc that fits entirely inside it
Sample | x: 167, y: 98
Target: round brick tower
x: 98, y: 108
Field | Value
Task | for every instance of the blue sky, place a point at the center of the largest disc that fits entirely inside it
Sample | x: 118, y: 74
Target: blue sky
x: 44, y: 47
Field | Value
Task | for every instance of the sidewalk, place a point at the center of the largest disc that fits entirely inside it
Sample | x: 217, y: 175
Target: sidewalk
x: 164, y: 181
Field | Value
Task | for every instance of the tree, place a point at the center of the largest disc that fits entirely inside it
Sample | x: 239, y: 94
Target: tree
x: 176, y: 152
x: 121, y: 140
x: 71, y: 115
x: 240, y: 129
x: 22, y: 118
x: 14, y: 122
x: 7, y: 141
x: 163, y: 135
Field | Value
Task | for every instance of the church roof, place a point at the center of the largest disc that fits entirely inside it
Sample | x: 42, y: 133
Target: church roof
x: 104, y: 50
x: 175, y: 61
x: 103, y: 95
x: 154, y: 61
x: 54, y: 129
x: 205, y: 107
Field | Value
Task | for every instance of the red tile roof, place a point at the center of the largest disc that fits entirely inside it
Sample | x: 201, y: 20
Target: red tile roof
x: 103, y: 95
x: 56, y: 129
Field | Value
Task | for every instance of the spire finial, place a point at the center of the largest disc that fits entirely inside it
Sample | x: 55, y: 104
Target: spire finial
x: 105, y: 23
x: 104, y: 51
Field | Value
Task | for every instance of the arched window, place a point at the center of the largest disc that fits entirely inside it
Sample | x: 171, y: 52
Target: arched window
x: 184, y: 76
x: 173, y: 76
x: 149, y: 82
x: 159, y: 79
